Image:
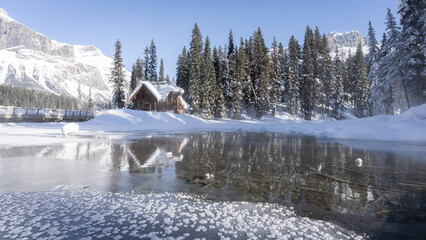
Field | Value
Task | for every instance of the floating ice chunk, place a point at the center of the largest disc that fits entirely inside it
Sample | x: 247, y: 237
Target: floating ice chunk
x: 169, y: 154
x: 358, y: 162
x: 70, y: 129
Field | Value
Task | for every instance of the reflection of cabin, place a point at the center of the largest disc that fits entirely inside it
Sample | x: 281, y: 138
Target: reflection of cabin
x: 148, y: 154
x: 158, y: 96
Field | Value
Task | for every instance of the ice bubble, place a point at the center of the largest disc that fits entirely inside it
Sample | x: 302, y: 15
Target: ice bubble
x: 358, y: 162
x: 70, y: 129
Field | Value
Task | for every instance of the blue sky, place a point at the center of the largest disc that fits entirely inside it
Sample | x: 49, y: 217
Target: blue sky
x: 169, y: 23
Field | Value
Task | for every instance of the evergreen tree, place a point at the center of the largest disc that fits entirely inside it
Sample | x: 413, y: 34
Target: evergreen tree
x: 325, y: 75
x: 372, y: 45
x: 261, y: 76
x: 232, y: 81
x: 208, y: 80
x: 392, y: 33
x: 137, y: 74
x: 283, y: 61
x: 90, y: 101
x: 140, y: 75
x: 293, y: 82
x: 338, y: 101
x: 117, y: 78
x: 307, y: 87
x: 133, y: 78
x: 219, y: 64
x: 275, y: 77
x: 147, y: 70
x: 195, y: 62
x: 413, y: 21
x: 182, y: 71
x: 152, y: 62
x: 168, y: 78
x: 361, y: 87
x: 249, y: 91
x: 242, y: 79
x: 389, y: 89
x: 161, y: 73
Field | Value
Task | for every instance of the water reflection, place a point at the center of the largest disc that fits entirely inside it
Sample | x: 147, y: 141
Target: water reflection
x: 301, y: 170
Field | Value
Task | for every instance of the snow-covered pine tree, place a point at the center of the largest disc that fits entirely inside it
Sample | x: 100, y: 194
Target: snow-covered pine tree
x: 261, y: 75
x: 220, y: 106
x: 182, y: 71
x: 140, y: 75
x: 338, y: 101
x: 208, y: 80
x: 308, y: 81
x: 372, y: 45
x: 117, y: 78
x: 283, y: 61
x: 249, y: 93
x: 147, y: 70
x: 232, y: 74
x: 325, y: 92
x: 90, y: 101
x: 137, y: 75
x: 293, y: 82
x: 388, y: 88
x: 153, y: 62
x: 243, y: 75
x: 133, y: 78
x: 161, y: 77
x: 361, y: 93
x: 195, y: 62
x: 275, y: 77
x: 413, y: 21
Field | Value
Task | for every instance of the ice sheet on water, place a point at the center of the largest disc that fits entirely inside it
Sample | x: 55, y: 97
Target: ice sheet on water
x: 168, y: 215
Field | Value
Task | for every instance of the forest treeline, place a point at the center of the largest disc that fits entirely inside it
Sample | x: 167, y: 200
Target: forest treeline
x: 304, y: 78
x: 24, y: 97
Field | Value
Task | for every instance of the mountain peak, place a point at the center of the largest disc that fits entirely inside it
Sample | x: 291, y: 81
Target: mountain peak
x: 32, y: 60
x: 3, y: 12
x: 346, y: 43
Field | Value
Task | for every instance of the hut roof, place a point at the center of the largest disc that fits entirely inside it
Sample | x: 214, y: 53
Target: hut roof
x: 160, y: 90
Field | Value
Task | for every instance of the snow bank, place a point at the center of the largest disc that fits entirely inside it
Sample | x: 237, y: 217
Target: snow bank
x: 409, y: 126
x: 73, y: 212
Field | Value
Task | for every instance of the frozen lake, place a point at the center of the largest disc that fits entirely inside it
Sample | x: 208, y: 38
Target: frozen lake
x: 285, y: 177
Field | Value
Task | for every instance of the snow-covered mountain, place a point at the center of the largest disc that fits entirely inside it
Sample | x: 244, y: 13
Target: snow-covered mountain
x: 346, y: 43
x: 30, y: 59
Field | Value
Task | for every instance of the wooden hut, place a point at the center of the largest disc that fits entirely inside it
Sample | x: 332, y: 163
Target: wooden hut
x: 158, y: 97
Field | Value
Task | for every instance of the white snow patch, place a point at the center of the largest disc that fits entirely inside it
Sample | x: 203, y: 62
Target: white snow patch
x: 70, y: 129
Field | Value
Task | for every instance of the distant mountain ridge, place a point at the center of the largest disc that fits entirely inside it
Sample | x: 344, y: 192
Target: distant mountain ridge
x: 346, y: 43
x: 30, y: 59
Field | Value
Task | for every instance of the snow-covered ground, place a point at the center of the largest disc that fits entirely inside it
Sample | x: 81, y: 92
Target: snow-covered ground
x: 77, y: 213
x: 409, y: 126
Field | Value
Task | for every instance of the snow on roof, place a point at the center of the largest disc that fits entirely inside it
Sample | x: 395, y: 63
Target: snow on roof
x: 184, y: 103
x: 164, y: 89
x: 160, y: 90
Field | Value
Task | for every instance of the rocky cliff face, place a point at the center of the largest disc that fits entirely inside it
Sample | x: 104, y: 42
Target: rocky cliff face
x: 346, y: 43
x: 30, y: 59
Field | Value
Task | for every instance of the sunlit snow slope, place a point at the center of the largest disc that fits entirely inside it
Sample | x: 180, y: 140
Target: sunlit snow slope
x: 30, y: 59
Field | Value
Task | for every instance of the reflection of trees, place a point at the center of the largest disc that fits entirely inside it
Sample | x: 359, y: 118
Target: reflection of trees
x: 298, y: 169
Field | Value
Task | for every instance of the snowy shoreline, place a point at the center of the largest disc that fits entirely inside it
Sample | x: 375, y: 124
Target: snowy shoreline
x: 407, y: 127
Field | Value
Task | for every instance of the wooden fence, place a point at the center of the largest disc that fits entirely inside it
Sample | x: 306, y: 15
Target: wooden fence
x: 16, y: 114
